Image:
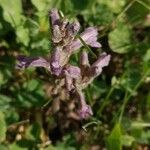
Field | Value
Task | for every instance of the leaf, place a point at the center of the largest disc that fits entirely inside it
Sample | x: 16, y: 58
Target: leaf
x: 4, y: 102
x: 146, y: 57
x: 15, y: 146
x: 32, y: 85
x: 23, y: 35
x: 40, y: 4
x: 119, y: 39
x: 2, y: 147
x: 114, y: 139
x: 3, y: 127
x: 12, y: 11
x: 115, y: 6
x: 33, y: 132
x: 127, y: 140
x: 137, y: 12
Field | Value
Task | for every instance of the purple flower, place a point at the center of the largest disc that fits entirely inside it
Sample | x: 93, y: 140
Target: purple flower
x: 32, y: 62
x: 54, y: 16
x: 85, y: 110
x: 64, y: 44
x: 90, y: 38
x: 84, y: 61
x: 55, y: 62
x: 97, y: 67
x: 71, y: 73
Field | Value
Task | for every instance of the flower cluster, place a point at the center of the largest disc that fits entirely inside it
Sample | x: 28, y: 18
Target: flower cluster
x: 65, y: 43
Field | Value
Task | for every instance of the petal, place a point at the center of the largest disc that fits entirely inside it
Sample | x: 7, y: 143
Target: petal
x: 73, y: 28
x: 71, y: 31
x: 55, y: 62
x: 90, y: 38
x: 97, y: 67
x: 73, y: 71
x: 25, y: 62
x: 54, y: 16
x: 85, y: 111
x: 69, y: 83
x: 84, y: 61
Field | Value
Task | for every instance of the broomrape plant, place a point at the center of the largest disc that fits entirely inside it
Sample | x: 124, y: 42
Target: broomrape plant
x: 64, y: 44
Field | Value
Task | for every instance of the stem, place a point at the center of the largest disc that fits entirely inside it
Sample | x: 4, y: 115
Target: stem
x: 118, y: 16
x: 125, y: 9
x: 128, y: 96
x: 144, y: 4
x: 86, y: 46
x: 89, y: 124
x: 106, y: 100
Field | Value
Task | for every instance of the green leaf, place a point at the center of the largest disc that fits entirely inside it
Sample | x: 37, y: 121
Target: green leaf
x: 40, y: 4
x: 4, y: 102
x: 115, y: 6
x: 2, y: 147
x: 146, y: 57
x: 127, y: 140
x: 3, y: 127
x: 15, y: 146
x: 114, y: 139
x: 119, y: 39
x: 33, y: 132
x: 12, y: 11
x: 23, y: 35
x: 99, y: 17
x: 32, y: 85
x: 137, y: 12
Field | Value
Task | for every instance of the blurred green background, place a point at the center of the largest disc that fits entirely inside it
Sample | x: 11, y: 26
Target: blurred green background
x: 120, y: 97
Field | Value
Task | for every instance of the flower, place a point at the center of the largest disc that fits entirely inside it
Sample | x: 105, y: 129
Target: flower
x: 25, y: 62
x: 85, y: 110
x: 64, y: 44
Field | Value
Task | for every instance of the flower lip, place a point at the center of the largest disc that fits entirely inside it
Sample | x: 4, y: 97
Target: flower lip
x: 25, y: 62
x: 85, y: 112
x: 89, y: 36
x: 54, y: 16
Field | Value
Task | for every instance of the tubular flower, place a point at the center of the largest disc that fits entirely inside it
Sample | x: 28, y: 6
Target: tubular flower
x: 64, y: 44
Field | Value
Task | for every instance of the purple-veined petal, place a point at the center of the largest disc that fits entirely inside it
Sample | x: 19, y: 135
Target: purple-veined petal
x: 102, y: 61
x: 89, y: 36
x: 25, y: 62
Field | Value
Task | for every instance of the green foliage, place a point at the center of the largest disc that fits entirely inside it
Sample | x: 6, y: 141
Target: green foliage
x: 120, y: 39
x: 114, y: 139
x: 3, y: 127
x: 120, y: 97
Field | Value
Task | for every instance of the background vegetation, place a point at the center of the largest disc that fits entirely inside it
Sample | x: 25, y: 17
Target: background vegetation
x: 120, y: 97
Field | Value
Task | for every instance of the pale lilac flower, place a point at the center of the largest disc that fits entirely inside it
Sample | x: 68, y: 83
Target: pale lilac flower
x: 64, y: 44
x: 89, y: 36
x: 54, y: 16
x: 97, y: 67
x: 85, y: 110
x: 55, y: 62
x: 71, y: 73
x: 84, y: 61
x: 25, y: 62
